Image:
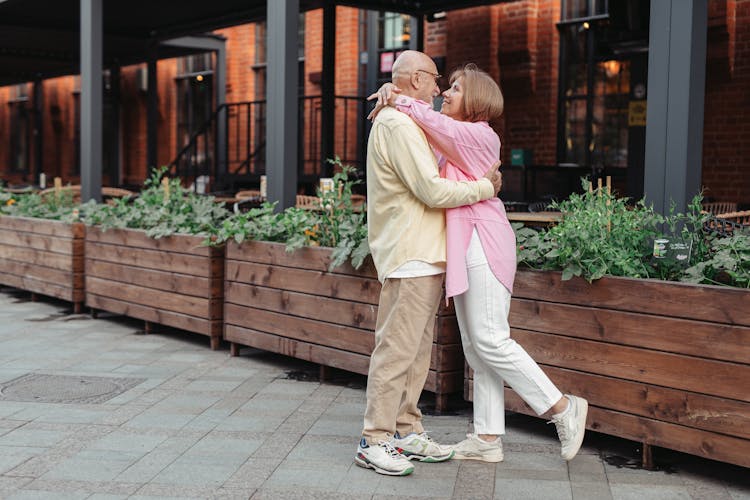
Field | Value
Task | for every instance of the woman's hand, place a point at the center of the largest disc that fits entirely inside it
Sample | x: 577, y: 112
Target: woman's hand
x: 386, y: 96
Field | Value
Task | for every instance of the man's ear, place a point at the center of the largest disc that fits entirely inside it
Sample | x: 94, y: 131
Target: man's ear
x: 414, y: 79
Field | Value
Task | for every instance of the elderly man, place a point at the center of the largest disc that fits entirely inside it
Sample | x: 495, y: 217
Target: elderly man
x: 406, y: 227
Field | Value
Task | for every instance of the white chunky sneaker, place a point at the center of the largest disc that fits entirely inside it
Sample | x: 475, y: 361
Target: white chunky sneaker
x: 421, y: 447
x: 383, y: 458
x: 571, y: 426
x: 473, y: 448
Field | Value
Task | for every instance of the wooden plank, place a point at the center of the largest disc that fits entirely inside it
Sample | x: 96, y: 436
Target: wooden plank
x: 328, y: 356
x: 307, y: 330
x: 43, y: 226
x: 447, y: 358
x: 341, y: 312
x: 193, y: 265
x: 174, y: 302
x: 40, y: 258
x: 725, y: 416
x: 700, y: 302
x: 194, y: 286
x: 300, y: 280
x: 36, y: 241
x: 40, y: 287
x: 349, y: 361
x: 66, y: 278
x: 155, y: 315
x: 178, y: 243
x: 696, y: 338
x: 311, y: 258
x: 644, y: 430
x: 717, y: 378
x: 444, y: 382
x: 446, y: 330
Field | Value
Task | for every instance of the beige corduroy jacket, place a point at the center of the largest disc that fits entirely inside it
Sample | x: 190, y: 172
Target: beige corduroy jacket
x: 406, y: 195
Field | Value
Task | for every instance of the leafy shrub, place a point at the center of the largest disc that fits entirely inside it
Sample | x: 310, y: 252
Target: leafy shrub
x: 160, y: 209
x: 337, y: 224
x: 728, y: 263
x: 600, y: 235
x: 55, y: 206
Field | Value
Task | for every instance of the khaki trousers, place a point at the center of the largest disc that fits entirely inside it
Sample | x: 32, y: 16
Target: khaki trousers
x: 401, y: 359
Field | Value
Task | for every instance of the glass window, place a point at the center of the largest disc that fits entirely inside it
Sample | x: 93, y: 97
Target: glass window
x: 259, y: 65
x: 580, y: 9
x: 394, y: 36
x: 595, y: 80
x: 195, y: 104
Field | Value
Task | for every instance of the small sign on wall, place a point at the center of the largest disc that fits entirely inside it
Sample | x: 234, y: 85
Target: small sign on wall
x: 637, y: 113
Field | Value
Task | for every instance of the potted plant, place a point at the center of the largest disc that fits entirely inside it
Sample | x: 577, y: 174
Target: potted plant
x: 42, y: 244
x: 661, y: 362
x: 291, y: 289
x: 145, y: 258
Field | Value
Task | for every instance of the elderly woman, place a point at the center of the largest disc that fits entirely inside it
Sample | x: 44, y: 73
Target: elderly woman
x: 481, y: 265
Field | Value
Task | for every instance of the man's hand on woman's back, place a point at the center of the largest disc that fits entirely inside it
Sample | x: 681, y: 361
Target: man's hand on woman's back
x: 494, y: 176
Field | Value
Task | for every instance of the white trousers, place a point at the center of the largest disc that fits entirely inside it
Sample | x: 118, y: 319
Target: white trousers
x: 482, y: 313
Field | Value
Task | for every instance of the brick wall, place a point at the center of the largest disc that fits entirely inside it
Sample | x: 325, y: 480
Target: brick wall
x: 726, y: 135
x: 515, y: 41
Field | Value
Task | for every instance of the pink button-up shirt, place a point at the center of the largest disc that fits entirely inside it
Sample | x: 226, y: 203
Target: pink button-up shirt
x: 468, y: 149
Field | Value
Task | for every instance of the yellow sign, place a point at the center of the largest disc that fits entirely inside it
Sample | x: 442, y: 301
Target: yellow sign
x: 637, y: 114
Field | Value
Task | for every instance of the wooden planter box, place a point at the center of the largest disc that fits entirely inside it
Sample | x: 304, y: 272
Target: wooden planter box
x: 173, y: 281
x: 290, y: 304
x: 43, y: 256
x: 665, y: 364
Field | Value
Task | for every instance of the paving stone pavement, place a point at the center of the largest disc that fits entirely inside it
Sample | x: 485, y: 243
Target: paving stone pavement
x: 202, y: 424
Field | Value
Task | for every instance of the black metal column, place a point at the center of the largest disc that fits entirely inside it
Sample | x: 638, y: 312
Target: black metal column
x: 38, y: 129
x: 152, y: 113
x: 328, y: 87
x: 114, y: 139
x: 220, y: 77
x: 676, y: 88
x: 91, y: 99
x: 282, y: 102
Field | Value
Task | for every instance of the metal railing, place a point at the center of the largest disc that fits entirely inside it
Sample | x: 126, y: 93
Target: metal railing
x: 241, y: 160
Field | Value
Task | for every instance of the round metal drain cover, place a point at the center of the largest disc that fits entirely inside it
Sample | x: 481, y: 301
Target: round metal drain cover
x: 34, y: 387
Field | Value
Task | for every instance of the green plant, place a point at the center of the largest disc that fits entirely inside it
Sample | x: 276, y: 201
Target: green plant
x: 337, y: 224
x: 599, y: 234
x: 54, y: 206
x: 727, y: 262
x: 163, y: 208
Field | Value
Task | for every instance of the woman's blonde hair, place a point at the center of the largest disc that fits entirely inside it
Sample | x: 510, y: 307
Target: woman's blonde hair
x: 483, y: 100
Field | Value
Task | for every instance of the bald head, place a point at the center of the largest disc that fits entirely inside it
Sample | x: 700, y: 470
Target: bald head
x: 413, y: 72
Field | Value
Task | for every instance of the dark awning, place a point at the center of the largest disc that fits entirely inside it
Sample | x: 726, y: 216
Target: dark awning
x: 40, y: 38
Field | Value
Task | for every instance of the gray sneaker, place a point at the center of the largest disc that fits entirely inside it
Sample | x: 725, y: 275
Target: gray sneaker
x: 421, y: 447
x: 571, y: 426
x: 383, y: 458
x: 473, y: 448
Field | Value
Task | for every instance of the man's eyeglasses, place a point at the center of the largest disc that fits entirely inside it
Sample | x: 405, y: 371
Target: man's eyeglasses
x: 436, y: 76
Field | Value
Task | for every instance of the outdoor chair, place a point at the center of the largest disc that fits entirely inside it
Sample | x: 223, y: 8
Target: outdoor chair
x: 727, y: 224
x: 719, y: 207
x: 108, y: 193
x: 742, y: 218
x: 313, y: 202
